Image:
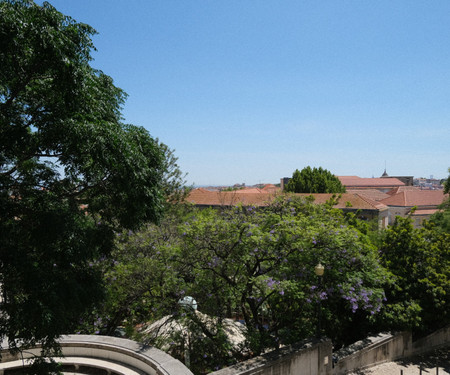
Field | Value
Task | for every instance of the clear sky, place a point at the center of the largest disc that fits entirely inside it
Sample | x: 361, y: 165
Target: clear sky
x: 248, y: 91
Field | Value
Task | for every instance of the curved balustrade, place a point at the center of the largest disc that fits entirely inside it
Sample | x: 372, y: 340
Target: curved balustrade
x: 111, y: 354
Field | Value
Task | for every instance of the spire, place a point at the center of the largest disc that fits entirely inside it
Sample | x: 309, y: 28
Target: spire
x: 385, y: 173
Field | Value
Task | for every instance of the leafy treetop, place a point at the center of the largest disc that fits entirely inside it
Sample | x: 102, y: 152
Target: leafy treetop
x: 71, y: 172
x: 314, y: 180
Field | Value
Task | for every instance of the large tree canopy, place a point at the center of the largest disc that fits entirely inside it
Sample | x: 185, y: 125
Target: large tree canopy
x: 253, y: 264
x: 314, y: 180
x: 71, y: 173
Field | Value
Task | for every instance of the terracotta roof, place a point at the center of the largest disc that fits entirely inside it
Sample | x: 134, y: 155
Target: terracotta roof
x: 202, y: 197
x: 271, y: 187
x: 410, y: 198
x: 354, y: 181
x: 425, y: 212
x: 399, y: 189
x: 374, y: 194
x: 356, y: 201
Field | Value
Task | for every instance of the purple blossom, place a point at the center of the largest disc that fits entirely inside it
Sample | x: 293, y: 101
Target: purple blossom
x: 271, y: 283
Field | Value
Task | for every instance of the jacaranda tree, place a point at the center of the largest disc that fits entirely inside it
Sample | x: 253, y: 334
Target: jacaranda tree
x: 250, y: 264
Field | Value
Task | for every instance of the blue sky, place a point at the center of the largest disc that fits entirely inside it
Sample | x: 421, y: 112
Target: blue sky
x: 249, y: 91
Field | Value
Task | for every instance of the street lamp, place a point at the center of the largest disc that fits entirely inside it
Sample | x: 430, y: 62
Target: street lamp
x: 319, y: 269
x: 187, y: 302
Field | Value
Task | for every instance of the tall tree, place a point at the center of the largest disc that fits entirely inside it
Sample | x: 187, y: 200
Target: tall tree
x: 71, y: 173
x: 314, y: 180
x: 419, y: 260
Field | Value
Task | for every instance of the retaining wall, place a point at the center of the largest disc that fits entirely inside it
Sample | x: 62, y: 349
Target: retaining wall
x: 386, y: 348
x: 309, y: 357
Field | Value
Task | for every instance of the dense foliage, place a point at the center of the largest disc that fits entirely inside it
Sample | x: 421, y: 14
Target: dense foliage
x: 314, y: 180
x: 71, y: 173
x: 419, y: 259
x: 254, y: 265
x: 76, y: 186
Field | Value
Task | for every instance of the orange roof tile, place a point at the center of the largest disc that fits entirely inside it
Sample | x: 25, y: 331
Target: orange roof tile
x: 356, y: 201
x: 399, y: 189
x: 248, y: 191
x: 410, y: 198
x: 202, y: 197
x: 354, y: 181
x: 374, y: 194
x: 271, y: 187
x: 425, y: 212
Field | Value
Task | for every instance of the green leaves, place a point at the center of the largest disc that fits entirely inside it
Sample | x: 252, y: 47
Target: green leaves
x: 71, y: 173
x: 316, y: 180
x: 419, y: 260
x: 260, y: 264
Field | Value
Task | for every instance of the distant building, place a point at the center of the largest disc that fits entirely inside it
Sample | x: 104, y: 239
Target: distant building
x: 383, y: 184
x: 402, y: 200
x: 428, y: 184
x: 407, y: 180
x: 365, y: 208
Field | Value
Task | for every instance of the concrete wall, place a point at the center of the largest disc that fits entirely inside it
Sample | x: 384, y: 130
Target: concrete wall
x: 105, y: 352
x: 371, y: 351
x: 437, y: 339
x: 309, y: 357
x: 387, y: 348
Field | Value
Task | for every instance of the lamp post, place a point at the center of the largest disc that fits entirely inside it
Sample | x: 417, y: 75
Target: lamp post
x: 319, y: 269
x: 188, y: 303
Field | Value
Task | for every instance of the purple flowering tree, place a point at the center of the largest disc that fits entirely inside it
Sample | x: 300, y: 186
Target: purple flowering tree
x: 257, y: 265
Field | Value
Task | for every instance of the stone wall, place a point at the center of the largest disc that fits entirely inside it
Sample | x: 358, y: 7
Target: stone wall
x: 436, y: 340
x: 309, y: 357
x: 386, y: 348
x: 371, y: 351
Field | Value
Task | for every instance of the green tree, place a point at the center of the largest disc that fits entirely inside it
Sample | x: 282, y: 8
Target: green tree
x: 259, y: 265
x: 71, y: 173
x: 419, y: 260
x: 447, y: 184
x: 256, y: 265
x: 441, y: 218
x: 314, y: 180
